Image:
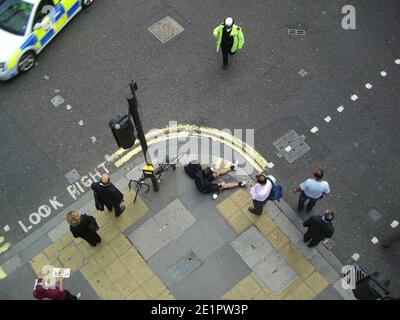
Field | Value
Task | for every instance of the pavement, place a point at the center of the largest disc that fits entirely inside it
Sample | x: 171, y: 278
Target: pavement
x: 276, y: 85
x: 180, y: 244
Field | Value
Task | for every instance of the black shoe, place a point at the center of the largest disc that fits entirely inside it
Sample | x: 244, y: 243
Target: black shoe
x: 224, y: 67
x: 300, y: 210
x: 253, y: 211
x: 122, y: 210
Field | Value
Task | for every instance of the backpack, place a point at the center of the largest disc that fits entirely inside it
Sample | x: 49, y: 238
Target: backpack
x: 276, y: 191
x: 199, y: 182
x: 192, y: 168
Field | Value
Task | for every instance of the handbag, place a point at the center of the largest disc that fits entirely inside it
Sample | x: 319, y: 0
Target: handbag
x: 93, y: 226
x: 99, y: 205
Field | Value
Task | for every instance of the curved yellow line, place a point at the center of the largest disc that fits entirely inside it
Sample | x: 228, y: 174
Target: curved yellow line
x: 221, y: 136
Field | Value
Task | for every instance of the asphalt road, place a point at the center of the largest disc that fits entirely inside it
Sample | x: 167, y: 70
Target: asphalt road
x: 90, y: 64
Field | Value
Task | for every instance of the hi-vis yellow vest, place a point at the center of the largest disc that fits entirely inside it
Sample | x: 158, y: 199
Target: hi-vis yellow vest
x: 236, y: 33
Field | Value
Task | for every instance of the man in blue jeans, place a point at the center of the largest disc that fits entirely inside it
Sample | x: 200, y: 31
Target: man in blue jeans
x: 312, y: 190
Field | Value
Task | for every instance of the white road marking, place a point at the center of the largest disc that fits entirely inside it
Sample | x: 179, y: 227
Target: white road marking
x: 288, y: 148
x: 270, y: 165
x: 354, y: 97
x: 383, y: 73
x: 397, y: 61
x: 68, y: 107
x: 368, y: 86
x: 355, y: 256
x: 340, y: 109
x: 93, y: 139
x: 46, y: 77
x: 6, y: 228
x: 80, y: 122
x: 314, y: 130
x: 328, y: 119
x: 56, y: 91
x: 374, y: 240
x: 394, y: 224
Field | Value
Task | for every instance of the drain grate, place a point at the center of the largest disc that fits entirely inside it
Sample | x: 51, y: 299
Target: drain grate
x: 296, y: 32
x: 374, y: 215
x: 291, y: 146
x: 184, y: 267
x: 57, y: 101
x: 73, y: 176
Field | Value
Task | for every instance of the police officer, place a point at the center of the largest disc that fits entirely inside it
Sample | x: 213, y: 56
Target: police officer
x: 230, y: 38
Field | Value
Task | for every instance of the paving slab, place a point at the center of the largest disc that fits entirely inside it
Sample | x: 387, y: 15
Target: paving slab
x: 149, y: 238
x: 252, y: 247
x: 275, y: 273
x: 217, y: 274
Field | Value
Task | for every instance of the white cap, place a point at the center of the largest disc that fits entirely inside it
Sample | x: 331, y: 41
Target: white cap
x: 228, y: 22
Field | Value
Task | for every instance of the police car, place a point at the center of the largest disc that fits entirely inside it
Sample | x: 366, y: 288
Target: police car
x: 27, y: 26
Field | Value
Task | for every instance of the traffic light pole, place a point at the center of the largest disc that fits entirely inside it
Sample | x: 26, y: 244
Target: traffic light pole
x: 134, y: 112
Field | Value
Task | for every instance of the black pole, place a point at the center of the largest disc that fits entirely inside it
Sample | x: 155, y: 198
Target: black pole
x: 134, y: 112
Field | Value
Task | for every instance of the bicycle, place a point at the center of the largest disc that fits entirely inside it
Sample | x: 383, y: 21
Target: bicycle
x: 163, y: 167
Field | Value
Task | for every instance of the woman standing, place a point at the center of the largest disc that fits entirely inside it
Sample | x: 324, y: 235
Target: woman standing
x: 84, y: 226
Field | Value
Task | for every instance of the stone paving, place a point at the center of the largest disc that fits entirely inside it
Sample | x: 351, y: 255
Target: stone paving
x: 182, y: 244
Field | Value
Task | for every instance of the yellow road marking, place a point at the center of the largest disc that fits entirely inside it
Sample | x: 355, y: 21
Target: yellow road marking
x: 2, y: 273
x: 5, y: 247
x: 1, y: 239
x: 180, y: 131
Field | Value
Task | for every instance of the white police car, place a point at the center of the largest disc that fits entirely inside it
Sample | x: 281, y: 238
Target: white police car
x: 27, y: 26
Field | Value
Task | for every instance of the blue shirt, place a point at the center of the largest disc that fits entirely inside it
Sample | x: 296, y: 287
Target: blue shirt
x: 314, y: 189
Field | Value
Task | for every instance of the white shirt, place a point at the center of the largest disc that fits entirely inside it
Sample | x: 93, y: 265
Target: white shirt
x: 261, y: 192
x: 314, y: 189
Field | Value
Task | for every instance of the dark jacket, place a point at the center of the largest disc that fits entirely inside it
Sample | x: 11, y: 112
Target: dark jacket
x: 108, y: 194
x: 318, y: 229
x: 82, y: 230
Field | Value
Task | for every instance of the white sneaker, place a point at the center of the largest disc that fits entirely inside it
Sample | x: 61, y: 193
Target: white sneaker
x: 78, y: 295
x: 235, y: 166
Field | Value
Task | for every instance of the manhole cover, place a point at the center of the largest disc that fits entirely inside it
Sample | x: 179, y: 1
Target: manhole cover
x: 73, y: 176
x: 57, y: 101
x: 291, y: 146
x: 184, y: 267
x: 374, y: 214
x: 166, y: 29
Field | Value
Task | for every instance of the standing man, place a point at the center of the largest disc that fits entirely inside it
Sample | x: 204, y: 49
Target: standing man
x: 312, y: 190
x: 260, y: 192
x: 230, y: 38
x: 108, y: 195
x: 319, y: 228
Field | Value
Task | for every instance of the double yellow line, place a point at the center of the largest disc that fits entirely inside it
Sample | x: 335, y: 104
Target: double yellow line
x: 185, y: 131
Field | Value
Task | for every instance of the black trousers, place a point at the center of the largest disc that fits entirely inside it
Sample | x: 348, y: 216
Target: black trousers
x: 225, y: 51
x: 313, y: 242
x: 302, y: 199
x: 259, y: 206
x: 92, y: 238
x: 69, y: 296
